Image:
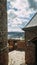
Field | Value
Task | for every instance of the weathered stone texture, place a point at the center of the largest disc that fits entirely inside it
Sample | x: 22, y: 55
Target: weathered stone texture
x: 30, y: 47
x: 3, y: 33
x: 3, y: 23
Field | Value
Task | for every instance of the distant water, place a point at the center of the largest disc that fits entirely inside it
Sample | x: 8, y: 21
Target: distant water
x: 15, y: 34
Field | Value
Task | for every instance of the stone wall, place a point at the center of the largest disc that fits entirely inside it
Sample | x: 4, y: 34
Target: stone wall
x: 30, y: 47
x: 3, y: 32
x: 30, y: 34
x: 16, y: 44
x: 10, y: 44
x: 21, y: 45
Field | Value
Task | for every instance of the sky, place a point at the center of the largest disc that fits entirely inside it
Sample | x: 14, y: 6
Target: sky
x: 19, y: 13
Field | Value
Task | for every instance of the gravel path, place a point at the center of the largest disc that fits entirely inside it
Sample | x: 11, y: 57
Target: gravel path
x: 16, y: 58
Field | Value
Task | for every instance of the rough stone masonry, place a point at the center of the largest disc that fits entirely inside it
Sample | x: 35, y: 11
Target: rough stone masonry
x: 3, y: 33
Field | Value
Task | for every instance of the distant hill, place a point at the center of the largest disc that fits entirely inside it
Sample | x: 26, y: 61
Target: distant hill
x: 15, y: 35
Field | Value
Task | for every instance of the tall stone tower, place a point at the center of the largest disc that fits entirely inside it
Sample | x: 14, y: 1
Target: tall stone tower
x: 3, y: 33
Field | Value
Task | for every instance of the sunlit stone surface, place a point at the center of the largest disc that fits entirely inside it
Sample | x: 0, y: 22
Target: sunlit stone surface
x: 17, y: 58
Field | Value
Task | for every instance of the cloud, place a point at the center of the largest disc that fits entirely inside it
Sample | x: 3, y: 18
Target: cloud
x: 19, y: 4
x: 19, y: 13
x: 33, y: 4
x: 36, y: 0
x: 14, y: 29
x: 17, y: 21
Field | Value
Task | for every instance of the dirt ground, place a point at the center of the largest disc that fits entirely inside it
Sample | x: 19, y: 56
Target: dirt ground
x: 16, y: 58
